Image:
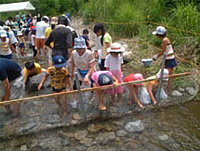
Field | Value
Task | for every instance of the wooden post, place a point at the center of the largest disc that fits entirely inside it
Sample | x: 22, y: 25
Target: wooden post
x: 80, y: 97
x: 161, y: 78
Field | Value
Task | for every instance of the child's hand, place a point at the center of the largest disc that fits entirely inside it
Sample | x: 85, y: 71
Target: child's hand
x: 116, y: 83
x: 39, y: 86
x: 86, y: 80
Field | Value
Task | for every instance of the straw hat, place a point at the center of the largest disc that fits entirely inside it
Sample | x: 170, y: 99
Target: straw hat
x: 116, y: 47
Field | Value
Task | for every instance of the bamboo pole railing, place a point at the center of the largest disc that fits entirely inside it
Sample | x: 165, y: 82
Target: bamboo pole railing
x: 9, y: 102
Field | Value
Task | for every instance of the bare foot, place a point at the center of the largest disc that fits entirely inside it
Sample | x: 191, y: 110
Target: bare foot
x: 140, y: 105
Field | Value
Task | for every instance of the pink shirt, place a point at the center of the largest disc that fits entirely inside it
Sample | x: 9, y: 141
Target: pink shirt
x: 95, y: 75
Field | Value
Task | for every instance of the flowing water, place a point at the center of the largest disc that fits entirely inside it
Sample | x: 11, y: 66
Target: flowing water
x: 174, y: 128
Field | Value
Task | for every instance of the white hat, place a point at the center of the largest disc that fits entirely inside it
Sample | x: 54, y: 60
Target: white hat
x: 46, y: 17
x: 165, y: 73
x: 3, y: 33
x: 116, y: 47
x: 160, y: 30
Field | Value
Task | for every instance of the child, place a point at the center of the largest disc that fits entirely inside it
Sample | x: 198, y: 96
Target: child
x: 170, y: 63
x: 133, y: 88
x: 59, y: 80
x: 33, y: 42
x: 103, y: 41
x: 102, y: 78
x: 113, y: 64
x: 85, y: 36
x: 6, y: 48
x: 154, y: 83
x: 22, y: 43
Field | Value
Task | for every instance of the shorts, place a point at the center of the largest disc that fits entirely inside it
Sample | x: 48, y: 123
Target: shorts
x: 170, y: 63
x: 17, y: 87
x: 39, y: 43
x: 21, y: 45
x: 10, y: 56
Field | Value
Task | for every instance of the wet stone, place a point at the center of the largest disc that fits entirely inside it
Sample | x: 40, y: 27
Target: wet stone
x: 27, y: 127
x: 65, y: 142
x: 190, y: 90
x: 105, y: 138
x: 181, y: 89
x: 23, y: 148
x: 76, y: 116
x: 136, y: 126
x: 95, y: 128
x: 121, y: 133
x: 176, y: 93
x: 163, y: 137
x: 52, y: 119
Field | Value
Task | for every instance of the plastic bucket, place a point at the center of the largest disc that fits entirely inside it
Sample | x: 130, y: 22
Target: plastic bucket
x: 147, y: 62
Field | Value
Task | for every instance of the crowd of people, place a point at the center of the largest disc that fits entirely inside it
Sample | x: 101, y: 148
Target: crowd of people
x: 69, y: 53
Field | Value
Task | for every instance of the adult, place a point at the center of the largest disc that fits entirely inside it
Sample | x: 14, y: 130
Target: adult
x: 166, y: 47
x: 40, y: 35
x: 103, y: 41
x: 62, y: 38
x: 31, y: 69
x: 11, y: 75
x: 9, y: 22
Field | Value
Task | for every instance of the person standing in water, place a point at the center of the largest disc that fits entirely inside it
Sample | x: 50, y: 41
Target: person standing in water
x: 166, y: 46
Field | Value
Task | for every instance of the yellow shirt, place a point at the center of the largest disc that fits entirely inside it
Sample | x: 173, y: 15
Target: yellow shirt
x: 58, y: 77
x: 47, y: 34
x: 37, y: 70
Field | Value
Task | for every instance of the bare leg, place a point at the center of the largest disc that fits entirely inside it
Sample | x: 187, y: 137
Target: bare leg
x: 57, y: 100
x: 113, y: 98
x: 119, y: 97
x: 170, y: 81
x: 130, y: 87
x: 64, y: 103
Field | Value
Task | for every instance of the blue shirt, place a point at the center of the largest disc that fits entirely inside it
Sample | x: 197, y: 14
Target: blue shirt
x: 9, y: 69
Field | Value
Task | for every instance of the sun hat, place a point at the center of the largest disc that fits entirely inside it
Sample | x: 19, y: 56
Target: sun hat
x: 59, y: 61
x: 165, y: 73
x: 3, y: 33
x: 160, y: 30
x: 45, y: 17
x: 79, y: 43
x: 136, y: 77
x: 116, y: 47
x: 54, y: 20
x: 104, y: 79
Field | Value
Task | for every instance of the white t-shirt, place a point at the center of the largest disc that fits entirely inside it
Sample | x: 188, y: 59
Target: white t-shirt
x: 113, y: 63
x: 5, y: 47
x: 40, y: 29
x: 12, y: 37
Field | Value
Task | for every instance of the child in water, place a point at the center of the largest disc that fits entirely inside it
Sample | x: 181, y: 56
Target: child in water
x: 113, y: 63
x: 59, y: 80
x: 22, y: 43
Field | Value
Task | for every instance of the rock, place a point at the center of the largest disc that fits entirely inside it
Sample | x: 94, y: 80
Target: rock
x: 93, y: 128
x: 181, y: 89
x: 81, y: 134
x: 190, y: 90
x: 127, y: 56
x: 163, y: 137
x: 176, y: 93
x: 27, y: 127
x: 105, y: 138
x: 65, y: 142
x: 34, y: 81
x: 23, y: 148
x: 76, y: 116
x: 51, y: 143
x: 121, y: 133
x: 86, y: 141
x: 52, y: 118
x: 136, y: 126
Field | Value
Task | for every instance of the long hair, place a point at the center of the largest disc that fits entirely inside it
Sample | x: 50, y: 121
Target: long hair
x: 98, y: 27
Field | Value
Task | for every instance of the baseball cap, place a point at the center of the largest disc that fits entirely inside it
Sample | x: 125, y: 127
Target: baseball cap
x: 160, y: 30
x: 105, y: 79
x: 59, y: 61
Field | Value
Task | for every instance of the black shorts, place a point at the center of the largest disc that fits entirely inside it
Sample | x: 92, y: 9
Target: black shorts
x: 57, y: 90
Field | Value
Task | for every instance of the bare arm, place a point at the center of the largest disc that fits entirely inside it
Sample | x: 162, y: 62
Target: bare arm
x: 12, y: 48
x: 150, y: 90
x: 91, y: 70
x: 68, y: 83
x: 6, y: 86
x: 72, y: 67
x: 42, y: 81
x: 164, y: 45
